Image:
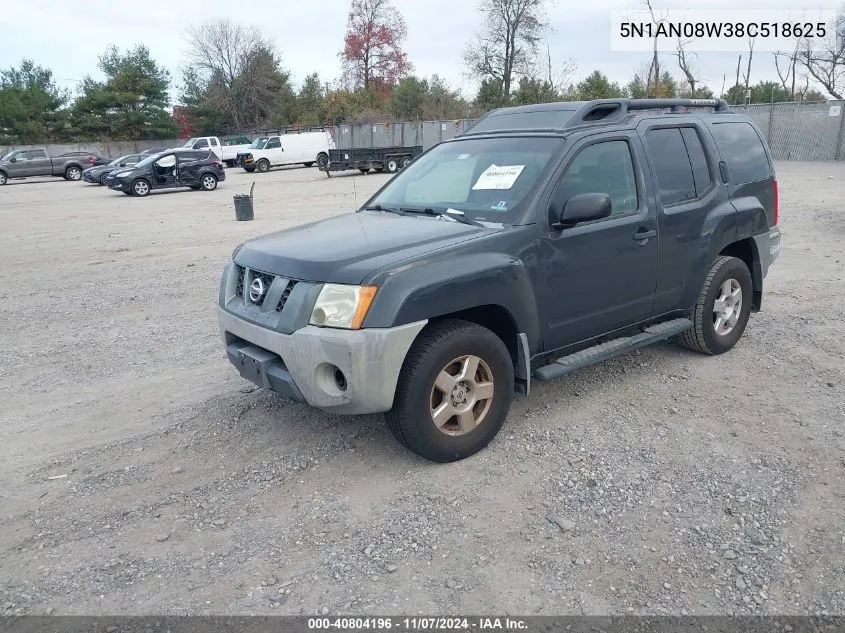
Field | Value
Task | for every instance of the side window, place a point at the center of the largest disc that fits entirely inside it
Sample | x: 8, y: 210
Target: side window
x: 698, y: 160
x: 200, y: 144
x: 36, y: 154
x: 672, y: 165
x: 273, y: 143
x: 604, y: 167
x: 743, y: 151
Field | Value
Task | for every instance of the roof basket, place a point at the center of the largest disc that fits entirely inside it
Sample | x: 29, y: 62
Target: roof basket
x: 609, y: 110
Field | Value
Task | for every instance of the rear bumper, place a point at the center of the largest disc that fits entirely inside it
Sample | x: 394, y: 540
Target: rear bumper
x: 303, y: 366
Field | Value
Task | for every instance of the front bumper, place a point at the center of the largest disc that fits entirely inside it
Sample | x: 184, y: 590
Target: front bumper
x: 303, y: 365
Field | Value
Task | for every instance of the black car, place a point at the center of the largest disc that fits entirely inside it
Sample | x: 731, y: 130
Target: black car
x: 98, y: 174
x: 541, y: 240
x: 170, y: 169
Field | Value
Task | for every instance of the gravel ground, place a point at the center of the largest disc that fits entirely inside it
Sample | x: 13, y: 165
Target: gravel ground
x: 140, y: 474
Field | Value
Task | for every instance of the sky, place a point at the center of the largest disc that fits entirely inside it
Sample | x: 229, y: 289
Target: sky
x: 68, y: 36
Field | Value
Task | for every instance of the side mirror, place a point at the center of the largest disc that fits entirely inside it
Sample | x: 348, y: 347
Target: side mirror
x: 584, y: 207
x: 13, y: 159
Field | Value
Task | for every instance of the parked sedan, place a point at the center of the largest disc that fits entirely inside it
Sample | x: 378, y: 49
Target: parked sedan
x: 197, y: 169
x: 97, y: 175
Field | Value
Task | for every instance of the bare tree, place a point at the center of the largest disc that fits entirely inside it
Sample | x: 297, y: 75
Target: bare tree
x: 747, y: 76
x: 824, y: 60
x: 687, y: 64
x: 653, y: 80
x: 508, y: 42
x: 789, y: 62
x: 237, y: 68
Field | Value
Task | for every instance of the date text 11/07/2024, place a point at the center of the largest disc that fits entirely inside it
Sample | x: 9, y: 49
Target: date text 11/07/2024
x: 418, y: 624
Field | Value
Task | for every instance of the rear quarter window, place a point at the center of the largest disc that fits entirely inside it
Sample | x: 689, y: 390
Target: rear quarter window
x: 743, y: 151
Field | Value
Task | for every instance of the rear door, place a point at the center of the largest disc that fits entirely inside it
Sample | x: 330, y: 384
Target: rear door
x: 189, y: 167
x: 39, y: 164
x: 683, y: 168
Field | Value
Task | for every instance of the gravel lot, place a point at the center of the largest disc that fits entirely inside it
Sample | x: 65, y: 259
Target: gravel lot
x: 140, y: 474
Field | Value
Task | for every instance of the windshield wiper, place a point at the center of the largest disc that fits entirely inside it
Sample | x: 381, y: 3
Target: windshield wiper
x: 459, y: 216
x: 378, y: 207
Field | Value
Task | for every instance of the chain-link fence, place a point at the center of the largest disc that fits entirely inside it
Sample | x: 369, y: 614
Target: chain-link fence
x: 794, y: 131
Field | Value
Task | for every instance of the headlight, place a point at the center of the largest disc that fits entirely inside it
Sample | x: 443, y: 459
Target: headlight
x: 342, y: 306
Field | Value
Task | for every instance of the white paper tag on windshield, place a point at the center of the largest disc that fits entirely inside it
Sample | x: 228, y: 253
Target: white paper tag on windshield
x: 498, y: 177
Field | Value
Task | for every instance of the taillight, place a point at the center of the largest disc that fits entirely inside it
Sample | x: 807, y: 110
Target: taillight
x: 777, y: 201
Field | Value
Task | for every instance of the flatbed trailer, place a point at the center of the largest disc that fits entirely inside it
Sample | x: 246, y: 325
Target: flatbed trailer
x: 364, y: 159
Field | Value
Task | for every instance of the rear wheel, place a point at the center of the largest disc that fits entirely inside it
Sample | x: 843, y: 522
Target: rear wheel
x: 140, y: 188
x: 229, y: 163
x: 392, y: 166
x: 208, y: 182
x: 404, y: 162
x: 454, y: 392
x: 308, y: 164
x: 263, y: 166
x: 3, y: 178
x: 723, y: 307
x: 364, y: 171
x: 73, y: 173
x: 322, y: 160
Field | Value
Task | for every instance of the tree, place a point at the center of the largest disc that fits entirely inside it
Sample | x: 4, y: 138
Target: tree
x: 809, y: 95
x: 532, y: 90
x: 131, y: 103
x: 489, y: 95
x: 443, y: 102
x: 687, y: 62
x: 824, y: 60
x: 598, y: 86
x: 636, y: 88
x: 30, y: 104
x: 234, y: 69
x: 761, y: 92
x: 311, y: 101
x: 408, y: 100
x: 372, y: 52
x: 507, y: 44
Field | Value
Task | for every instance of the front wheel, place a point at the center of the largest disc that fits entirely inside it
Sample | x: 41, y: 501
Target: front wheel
x: 140, y: 188
x: 3, y: 178
x: 723, y: 307
x: 73, y: 173
x: 392, y: 166
x: 454, y: 392
x: 208, y: 182
x: 263, y: 166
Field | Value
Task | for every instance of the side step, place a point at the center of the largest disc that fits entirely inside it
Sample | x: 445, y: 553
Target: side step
x: 603, y: 351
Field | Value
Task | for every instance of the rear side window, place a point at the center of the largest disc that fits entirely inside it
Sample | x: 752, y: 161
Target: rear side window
x: 698, y: 160
x: 743, y: 151
x: 672, y: 165
x: 214, y: 142
x: 35, y: 154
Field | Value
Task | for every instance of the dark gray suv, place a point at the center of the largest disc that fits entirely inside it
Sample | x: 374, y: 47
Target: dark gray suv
x: 543, y: 239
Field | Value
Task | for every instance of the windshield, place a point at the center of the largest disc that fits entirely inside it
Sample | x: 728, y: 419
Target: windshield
x: 485, y: 178
x: 190, y: 142
x: 259, y: 143
x: 8, y: 156
x: 116, y: 161
x: 149, y: 159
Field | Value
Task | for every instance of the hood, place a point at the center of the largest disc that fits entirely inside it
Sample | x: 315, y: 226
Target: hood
x: 347, y: 248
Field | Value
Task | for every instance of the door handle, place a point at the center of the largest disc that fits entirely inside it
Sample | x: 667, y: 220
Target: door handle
x: 644, y: 235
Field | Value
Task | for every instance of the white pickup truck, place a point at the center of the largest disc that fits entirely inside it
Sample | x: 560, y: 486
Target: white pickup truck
x: 206, y: 142
x: 227, y: 150
x: 293, y: 148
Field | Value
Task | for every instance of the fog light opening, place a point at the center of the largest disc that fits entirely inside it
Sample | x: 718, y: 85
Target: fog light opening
x: 339, y: 379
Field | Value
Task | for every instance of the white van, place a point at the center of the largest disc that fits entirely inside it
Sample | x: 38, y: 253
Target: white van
x: 206, y: 142
x: 295, y: 148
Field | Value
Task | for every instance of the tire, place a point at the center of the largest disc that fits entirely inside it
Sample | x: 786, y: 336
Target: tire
x: 3, y: 178
x: 308, y: 164
x: 229, y: 163
x: 103, y: 180
x: 208, y: 182
x: 728, y: 281
x: 392, y: 165
x: 322, y: 160
x: 263, y: 166
x: 444, y: 348
x: 404, y: 162
x: 364, y: 171
x: 73, y: 173
x: 140, y: 188
x: 249, y: 170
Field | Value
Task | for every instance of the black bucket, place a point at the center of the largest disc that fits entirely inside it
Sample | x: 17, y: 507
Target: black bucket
x: 244, y: 210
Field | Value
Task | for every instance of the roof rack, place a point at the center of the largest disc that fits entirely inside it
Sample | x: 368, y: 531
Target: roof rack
x: 608, y: 110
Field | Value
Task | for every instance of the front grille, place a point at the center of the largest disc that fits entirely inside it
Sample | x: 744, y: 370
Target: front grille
x: 281, y: 305
x: 247, y: 276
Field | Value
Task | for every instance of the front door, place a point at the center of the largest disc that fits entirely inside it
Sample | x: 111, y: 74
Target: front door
x: 601, y: 275
x: 275, y: 151
x: 164, y: 172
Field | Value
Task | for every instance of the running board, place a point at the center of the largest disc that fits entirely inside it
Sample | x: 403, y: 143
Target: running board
x: 603, y: 351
